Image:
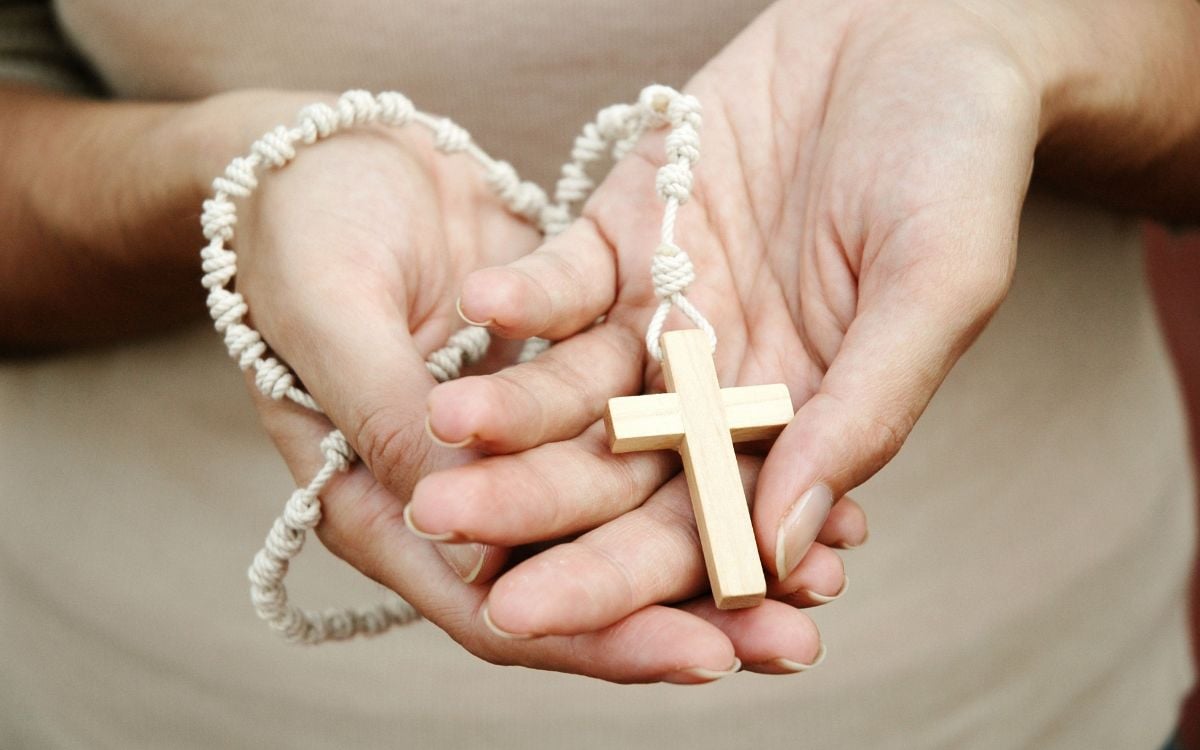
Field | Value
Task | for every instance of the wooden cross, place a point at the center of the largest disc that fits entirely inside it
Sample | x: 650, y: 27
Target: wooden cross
x: 702, y: 421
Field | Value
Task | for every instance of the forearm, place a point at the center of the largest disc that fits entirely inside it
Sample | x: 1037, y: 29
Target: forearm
x: 100, y: 206
x: 1121, y: 114
x: 97, y: 242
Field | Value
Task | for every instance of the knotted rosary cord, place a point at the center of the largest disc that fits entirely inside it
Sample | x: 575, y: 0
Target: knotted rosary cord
x: 614, y: 132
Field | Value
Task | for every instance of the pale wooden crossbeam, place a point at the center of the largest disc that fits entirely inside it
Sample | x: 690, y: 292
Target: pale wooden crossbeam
x: 702, y: 421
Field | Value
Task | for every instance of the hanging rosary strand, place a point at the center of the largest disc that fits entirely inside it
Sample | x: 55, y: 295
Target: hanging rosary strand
x: 614, y: 133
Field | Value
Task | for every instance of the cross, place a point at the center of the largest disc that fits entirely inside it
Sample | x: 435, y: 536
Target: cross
x: 702, y: 421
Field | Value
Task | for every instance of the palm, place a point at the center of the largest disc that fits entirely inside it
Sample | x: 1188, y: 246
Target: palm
x: 329, y: 258
x: 351, y: 266
x: 338, y: 233
x: 810, y: 205
x: 852, y: 226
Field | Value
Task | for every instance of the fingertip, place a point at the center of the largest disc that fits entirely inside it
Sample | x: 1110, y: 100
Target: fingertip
x: 515, y: 606
x: 519, y: 599
x: 508, y: 301
x: 773, y: 637
x: 444, y: 442
x: 782, y: 665
x: 480, y: 412
x: 861, y: 542
x: 442, y: 503
x: 451, y: 413
x: 489, y: 622
x: 553, y: 292
x: 818, y: 578
x: 472, y: 562
x: 421, y: 529
x: 466, y: 319
x: 798, y: 528
x: 846, y: 527
x: 492, y: 564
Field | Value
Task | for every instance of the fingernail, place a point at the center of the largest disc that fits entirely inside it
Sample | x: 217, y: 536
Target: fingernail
x: 464, y: 559
x: 408, y: 521
x: 790, y: 665
x: 460, y: 444
x: 701, y: 675
x: 487, y: 620
x: 861, y: 542
x: 468, y: 321
x: 823, y: 599
x: 799, y: 528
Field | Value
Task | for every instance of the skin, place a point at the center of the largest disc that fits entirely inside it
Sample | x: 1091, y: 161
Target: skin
x: 854, y: 226
x: 863, y: 170
x: 326, y: 235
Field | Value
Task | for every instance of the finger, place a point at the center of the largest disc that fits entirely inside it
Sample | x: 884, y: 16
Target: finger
x: 654, y: 644
x: 474, y: 562
x: 820, y: 578
x: 297, y: 434
x: 651, y: 554
x: 554, y: 397
x: 651, y: 645
x: 846, y: 526
x: 362, y: 523
x: 895, y: 354
x: 772, y: 638
x: 540, y: 494
x: 553, y: 292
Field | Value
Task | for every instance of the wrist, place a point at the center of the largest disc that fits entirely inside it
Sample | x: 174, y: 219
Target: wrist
x: 209, y: 133
x: 1114, y: 76
x: 1120, y: 120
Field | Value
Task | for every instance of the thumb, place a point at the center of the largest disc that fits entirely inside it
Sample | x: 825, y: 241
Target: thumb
x: 903, y: 341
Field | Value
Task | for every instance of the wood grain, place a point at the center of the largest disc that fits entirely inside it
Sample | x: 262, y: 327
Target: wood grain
x: 702, y: 421
x: 653, y: 422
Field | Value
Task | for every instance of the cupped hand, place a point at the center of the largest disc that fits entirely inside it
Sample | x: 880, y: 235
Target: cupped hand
x: 853, y: 226
x: 350, y: 259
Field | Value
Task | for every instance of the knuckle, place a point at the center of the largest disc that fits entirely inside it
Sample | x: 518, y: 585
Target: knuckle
x: 391, y: 444
x: 879, y: 435
x: 884, y: 434
x: 352, y: 519
x: 511, y: 392
x: 985, y: 285
x: 540, y: 503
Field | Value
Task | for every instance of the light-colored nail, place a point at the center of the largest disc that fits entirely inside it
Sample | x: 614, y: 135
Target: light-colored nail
x: 446, y: 444
x: 861, y: 542
x: 701, y: 675
x: 790, y: 665
x: 408, y: 521
x: 799, y: 528
x: 823, y: 599
x: 487, y: 620
x: 464, y: 559
x: 468, y: 321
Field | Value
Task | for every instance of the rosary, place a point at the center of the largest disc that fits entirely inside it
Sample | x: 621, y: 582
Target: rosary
x: 696, y: 416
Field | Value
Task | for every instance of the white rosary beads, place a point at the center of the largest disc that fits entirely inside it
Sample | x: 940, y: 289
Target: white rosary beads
x: 615, y: 131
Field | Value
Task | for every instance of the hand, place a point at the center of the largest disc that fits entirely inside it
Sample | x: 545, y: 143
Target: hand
x: 349, y: 260
x: 853, y: 226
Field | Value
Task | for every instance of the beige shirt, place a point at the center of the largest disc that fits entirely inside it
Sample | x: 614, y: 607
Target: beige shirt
x: 1024, y: 583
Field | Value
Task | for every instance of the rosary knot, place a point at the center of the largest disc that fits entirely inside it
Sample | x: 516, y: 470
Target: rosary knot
x: 674, y: 181
x: 450, y: 137
x: 337, y: 450
x: 672, y: 271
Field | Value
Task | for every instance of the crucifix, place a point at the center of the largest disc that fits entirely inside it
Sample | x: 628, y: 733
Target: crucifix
x: 702, y: 421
